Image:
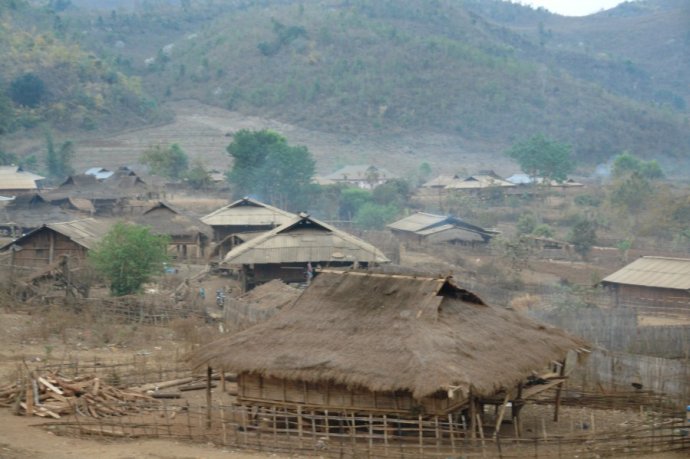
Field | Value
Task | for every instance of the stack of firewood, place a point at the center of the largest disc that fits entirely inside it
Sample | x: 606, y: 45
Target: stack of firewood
x: 52, y: 395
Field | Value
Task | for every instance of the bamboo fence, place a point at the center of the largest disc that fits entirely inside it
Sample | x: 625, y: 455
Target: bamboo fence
x: 328, y: 435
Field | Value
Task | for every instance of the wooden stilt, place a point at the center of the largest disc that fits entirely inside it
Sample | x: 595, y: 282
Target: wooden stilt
x: 557, y: 402
x: 209, y: 372
x: 501, y: 413
x: 473, y: 417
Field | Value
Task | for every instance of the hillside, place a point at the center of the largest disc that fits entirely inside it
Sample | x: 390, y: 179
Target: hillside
x: 48, y: 78
x: 485, y: 72
x: 370, y: 67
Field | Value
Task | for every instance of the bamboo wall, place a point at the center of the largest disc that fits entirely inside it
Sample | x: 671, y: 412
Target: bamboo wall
x: 662, y: 300
x: 45, y: 247
x: 268, y: 391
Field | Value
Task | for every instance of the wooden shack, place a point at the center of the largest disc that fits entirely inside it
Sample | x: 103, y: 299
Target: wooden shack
x: 47, y: 244
x: 245, y: 215
x: 652, y: 284
x: 189, y: 236
x: 287, y: 252
x: 423, y: 228
x: 363, y: 342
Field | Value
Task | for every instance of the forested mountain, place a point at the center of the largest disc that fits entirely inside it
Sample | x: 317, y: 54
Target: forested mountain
x: 485, y: 70
x: 47, y: 78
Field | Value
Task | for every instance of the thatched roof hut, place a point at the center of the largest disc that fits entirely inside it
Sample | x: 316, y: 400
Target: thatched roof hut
x: 189, y: 236
x: 408, y: 340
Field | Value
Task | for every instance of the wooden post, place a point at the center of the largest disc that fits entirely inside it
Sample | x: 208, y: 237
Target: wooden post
x: 209, y: 372
x: 328, y: 429
x: 299, y: 424
x: 501, y: 413
x: 473, y: 417
x: 421, y: 436
x: 222, y: 425
x: 517, y: 406
x: 222, y: 379
x: 451, y: 433
x: 385, y: 433
x: 559, y: 389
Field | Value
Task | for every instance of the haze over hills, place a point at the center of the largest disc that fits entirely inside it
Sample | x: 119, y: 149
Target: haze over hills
x: 487, y: 72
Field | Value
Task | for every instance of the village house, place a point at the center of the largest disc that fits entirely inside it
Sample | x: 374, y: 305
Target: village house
x: 400, y: 345
x: 189, y: 237
x: 652, y: 284
x: 27, y: 212
x: 101, y: 173
x: 441, y: 181
x: 242, y: 220
x: 480, y: 183
x: 367, y: 177
x: 14, y: 181
x: 288, y: 252
x: 45, y: 245
x: 105, y: 195
x: 424, y: 228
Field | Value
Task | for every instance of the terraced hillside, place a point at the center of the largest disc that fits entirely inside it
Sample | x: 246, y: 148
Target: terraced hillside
x: 203, y: 132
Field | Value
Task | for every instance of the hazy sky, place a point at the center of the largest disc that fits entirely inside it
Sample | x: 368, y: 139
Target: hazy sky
x: 571, y: 7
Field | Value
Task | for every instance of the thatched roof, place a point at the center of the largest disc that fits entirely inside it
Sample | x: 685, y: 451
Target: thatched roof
x: 392, y: 332
x: 479, y: 182
x: 164, y: 218
x: 304, y: 239
x: 248, y: 212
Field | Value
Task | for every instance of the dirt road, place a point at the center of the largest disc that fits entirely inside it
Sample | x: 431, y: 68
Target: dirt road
x: 20, y: 439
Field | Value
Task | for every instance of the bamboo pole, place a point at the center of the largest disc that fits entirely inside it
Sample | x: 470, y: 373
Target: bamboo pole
x: 209, y: 374
x: 501, y: 413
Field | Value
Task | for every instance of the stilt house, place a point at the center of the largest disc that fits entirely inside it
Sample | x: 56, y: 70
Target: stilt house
x: 424, y: 228
x: 243, y: 216
x: 406, y: 346
x: 287, y: 251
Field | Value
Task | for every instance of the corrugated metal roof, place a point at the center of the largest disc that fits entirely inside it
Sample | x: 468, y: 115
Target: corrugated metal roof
x: 304, y: 239
x: 86, y: 232
x: 417, y: 222
x: 14, y: 178
x: 248, y: 212
x: 658, y: 272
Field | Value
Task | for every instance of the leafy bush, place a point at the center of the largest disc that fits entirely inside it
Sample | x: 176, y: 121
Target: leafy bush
x: 128, y: 256
x: 588, y: 200
x: 374, y: 216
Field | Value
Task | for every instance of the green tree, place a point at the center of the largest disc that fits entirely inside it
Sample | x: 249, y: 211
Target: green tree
x: 539, y: 156
x: 396, y: 192
x: 264, y: 164
x: 167, y: 161
x: 631, y: 195
x: 7, y: 116
x: 374, y: 216
x: 351, y: 199
x: 128, y: 256
x: 27, y: 90
x: 527, y: 223
x: 198, y: 176
x: 627, y: 164
x: 59, y: 160
x: 583, y: 236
